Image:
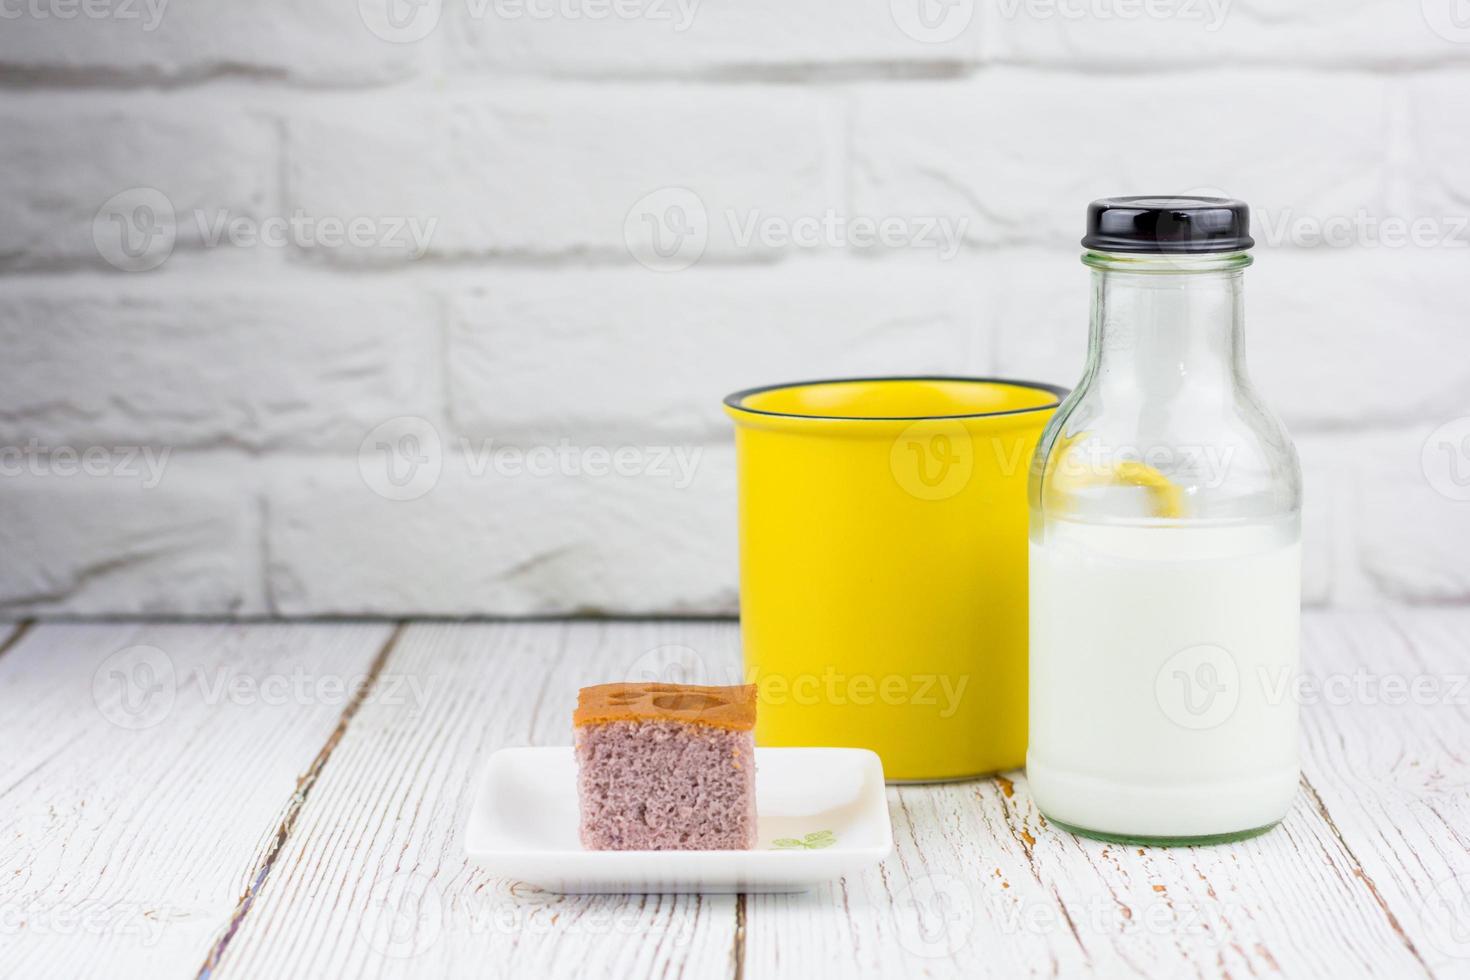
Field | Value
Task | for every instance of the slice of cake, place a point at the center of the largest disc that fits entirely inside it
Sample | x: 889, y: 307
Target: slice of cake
x: 666, y: 767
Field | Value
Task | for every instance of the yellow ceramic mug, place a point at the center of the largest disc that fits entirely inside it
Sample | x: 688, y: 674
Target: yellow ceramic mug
x: 883, y: 528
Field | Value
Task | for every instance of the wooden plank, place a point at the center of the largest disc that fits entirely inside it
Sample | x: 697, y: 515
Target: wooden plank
x: 981, y: 885
x: 136, y: 807
x: 1388, y: 736
x: 374, y: 882
x: 132, y: 850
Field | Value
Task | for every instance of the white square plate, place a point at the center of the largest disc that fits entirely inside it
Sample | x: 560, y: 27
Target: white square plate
x: 822, y: 813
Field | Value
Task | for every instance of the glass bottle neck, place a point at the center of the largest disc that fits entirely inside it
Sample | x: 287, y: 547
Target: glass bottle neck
x: 1167, y: 325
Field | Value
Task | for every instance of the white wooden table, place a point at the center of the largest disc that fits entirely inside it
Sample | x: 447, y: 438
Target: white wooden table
x: 223, y: 800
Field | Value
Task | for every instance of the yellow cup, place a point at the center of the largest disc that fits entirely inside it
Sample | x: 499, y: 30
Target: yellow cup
x: 883, y: 528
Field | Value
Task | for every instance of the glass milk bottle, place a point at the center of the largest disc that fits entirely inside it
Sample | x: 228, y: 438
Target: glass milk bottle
x: 1165, y: 556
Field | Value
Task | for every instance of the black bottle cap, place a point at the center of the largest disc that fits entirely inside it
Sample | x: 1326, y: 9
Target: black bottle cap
x: 1168, y: 225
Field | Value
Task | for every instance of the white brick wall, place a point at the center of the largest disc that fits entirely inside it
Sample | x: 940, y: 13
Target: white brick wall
x: 545, y: 171
x: 72, y: 153
x: 123, y: 542
x: 171, y: 41
x: 255, y: 257
x: 626, y: 353
x: 700, y: 37
x: 1279, y: 139
x: 226, y: 362
x: 506, y: 538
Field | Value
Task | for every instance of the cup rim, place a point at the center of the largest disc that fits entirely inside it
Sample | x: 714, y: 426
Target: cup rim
x: 734, y: 400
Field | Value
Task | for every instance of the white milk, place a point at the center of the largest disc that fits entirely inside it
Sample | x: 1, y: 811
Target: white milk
x: 1162, y: 669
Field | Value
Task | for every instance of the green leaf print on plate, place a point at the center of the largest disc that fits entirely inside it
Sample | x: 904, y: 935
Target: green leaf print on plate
x: 811, y: 842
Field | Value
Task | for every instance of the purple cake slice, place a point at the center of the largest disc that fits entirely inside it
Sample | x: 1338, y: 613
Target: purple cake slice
x: 666, y: 767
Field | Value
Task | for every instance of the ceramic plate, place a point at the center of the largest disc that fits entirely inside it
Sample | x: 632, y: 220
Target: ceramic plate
x: 822, y: 814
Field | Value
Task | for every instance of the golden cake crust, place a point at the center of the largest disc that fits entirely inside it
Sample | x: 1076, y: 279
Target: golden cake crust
x: 718, y: 707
